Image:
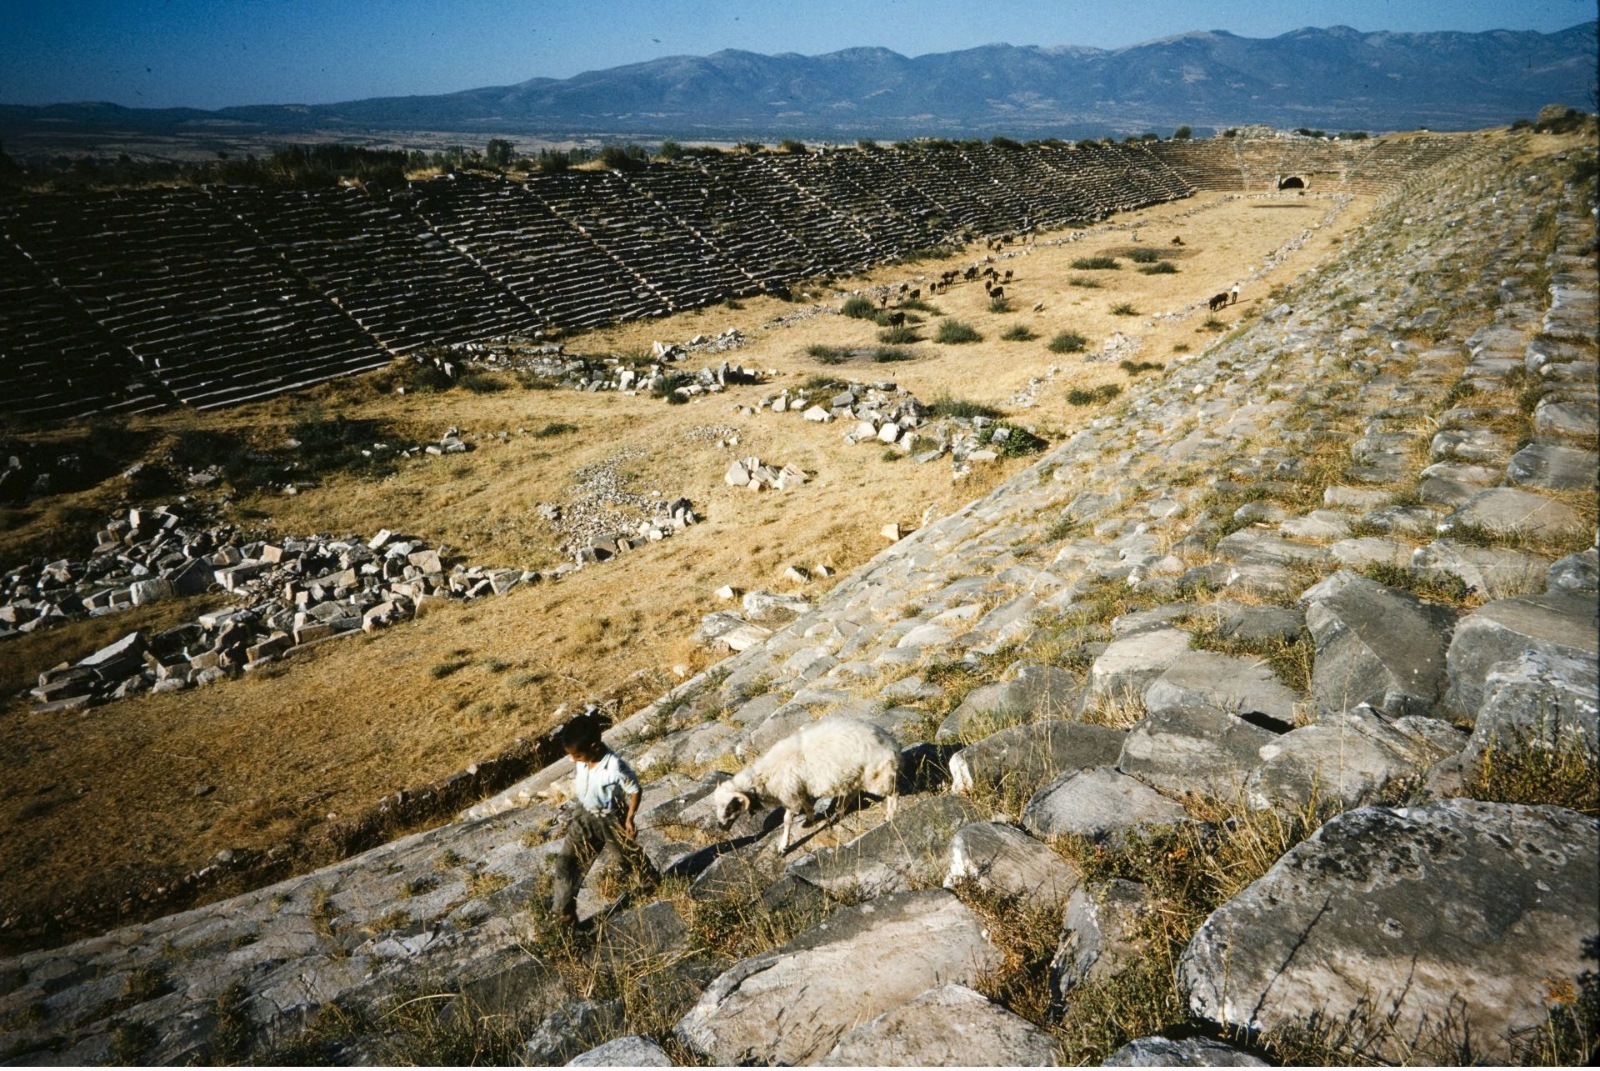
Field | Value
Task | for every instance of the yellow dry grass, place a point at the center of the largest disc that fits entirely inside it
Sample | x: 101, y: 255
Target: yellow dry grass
x: 99, y: 804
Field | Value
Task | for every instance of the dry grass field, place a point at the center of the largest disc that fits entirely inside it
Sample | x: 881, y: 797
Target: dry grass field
x: 101, y: 805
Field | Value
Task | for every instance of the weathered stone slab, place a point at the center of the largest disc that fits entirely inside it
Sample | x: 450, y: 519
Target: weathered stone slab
x: 1347, y: 757
x: 1194, y: 750
x: 1493, y: 571
x: 1129, y: 664
x: 1508, y: 511
x: 1575, y: 420
x: 1375, y: 645
x: 1035, y: 692
x: 570, y: 1029
x: 1157, y: 1051
x: 1561, y: 625
x: 792, y: 1005
x: 1101, y: 934
x: 1006, y: 860
x: 1539, y: 700
x: 1561, y: 468
x: 1098, y: 803
x: 1460, y: 916
x: 1018, y: 760
x: 632, y: 1051
x: 951, y: 1026
x: 1205, y: 680
x: 1576, y: 573
x: 1371, y: 550
x: 908, y: 851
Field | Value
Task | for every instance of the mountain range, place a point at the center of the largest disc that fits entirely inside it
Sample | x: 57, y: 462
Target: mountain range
x: 1334, y: 78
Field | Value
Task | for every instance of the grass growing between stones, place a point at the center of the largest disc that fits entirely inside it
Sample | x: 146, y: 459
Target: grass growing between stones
x: 1291, y: 660
x: 1529, y: 772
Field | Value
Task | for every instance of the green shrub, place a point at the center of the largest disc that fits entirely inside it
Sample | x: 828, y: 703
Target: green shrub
x: 1133, y: 368
x: 1083, y: 283
x: 954, y: 332
x: 1103, y: 393
x: 1123, y: 308
x: 859, y: 308
x: 899, y: 336
x: 1165, y: 267
x: 999, y: 304
x: 1096, y: 264
x: 828, y: 354
x: 1144, y: 256
x: 1018, y: 333
x: 946, y: 406
x: 554, y: 428
x: 1016, y: 442
x: 1068, y: 342
x: 890, y: 354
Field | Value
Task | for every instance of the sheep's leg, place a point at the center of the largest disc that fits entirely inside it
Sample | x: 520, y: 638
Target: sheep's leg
x: 788, y: 828
x: 888, y: 810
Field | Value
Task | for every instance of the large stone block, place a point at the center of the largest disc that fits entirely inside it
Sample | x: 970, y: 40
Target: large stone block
x: 1007, y: 861
x: 1449, y: 925
x: 901, y: 854
x: 1348, y: 757
x: 1036, y: 692
x: 1018, y: 760
x: 1558, y: 624
x: 1205, y: 750
x: 1098, y: 803
x: 792, y: 1005
x: 1375, y: 645
x: 1205, y: 680
x: 951, y: 1026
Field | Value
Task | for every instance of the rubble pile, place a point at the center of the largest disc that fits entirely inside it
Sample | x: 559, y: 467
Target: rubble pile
x: 614, y: 373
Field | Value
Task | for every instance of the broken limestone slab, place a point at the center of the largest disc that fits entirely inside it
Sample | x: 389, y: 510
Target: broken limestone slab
x: 1493, y: 571
x: 1460, y: 918
x: 1019, y: 760
x: 1005, y: 860
x: 1035, y: 693
x: 1205, y: 750
x: 951, y: 1026
x: 909, y: 850
x: 1157, y: 1051
x: 1559, y: 468
x: 1129, y: 664
x: 1347, y: 758
x: 1207, y: 680
x: 863, y: 961
x: 635, y: 1050
x: 1509, y: 511
x: 1559, y: 624
x: 1540, y: 699
x: 1101, y: 934
x: 1098, y: 803
x: 1375, y: 645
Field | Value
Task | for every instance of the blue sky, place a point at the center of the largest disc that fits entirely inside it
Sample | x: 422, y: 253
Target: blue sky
x: 213, y: 53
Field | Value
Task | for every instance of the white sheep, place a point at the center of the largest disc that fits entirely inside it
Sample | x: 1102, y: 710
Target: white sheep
x: 833, y: 757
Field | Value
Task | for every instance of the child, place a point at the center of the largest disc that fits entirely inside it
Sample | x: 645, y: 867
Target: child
x: 607, y: 792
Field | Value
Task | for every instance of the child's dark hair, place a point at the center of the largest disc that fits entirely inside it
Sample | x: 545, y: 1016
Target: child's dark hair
x: 583, y: 732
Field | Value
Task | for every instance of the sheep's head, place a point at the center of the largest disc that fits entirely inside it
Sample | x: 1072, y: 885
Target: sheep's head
x: 730, y: 803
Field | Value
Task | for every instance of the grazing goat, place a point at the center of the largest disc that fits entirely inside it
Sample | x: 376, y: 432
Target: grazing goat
x: 1218, y: 300
x: 1177, y: 239
x: 896, y: 319
x: 833, y: 757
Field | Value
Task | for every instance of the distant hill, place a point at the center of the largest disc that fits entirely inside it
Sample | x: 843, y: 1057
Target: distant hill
x: 1336, y: 78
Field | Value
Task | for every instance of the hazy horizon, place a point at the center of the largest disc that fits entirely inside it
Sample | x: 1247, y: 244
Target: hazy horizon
x: 194, y: 53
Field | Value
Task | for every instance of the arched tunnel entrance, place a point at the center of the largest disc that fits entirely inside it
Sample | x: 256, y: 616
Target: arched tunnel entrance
x: 1291, y: 182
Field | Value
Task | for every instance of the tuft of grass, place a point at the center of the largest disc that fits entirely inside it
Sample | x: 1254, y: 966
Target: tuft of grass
x: 1083, y: 282
x: 1124, y: 308
x: 901, y: 336
x: 828, y: 354
x: 1134, y: 368
x: 1213, y: 324
x: 483, y: 383
x: 1145, y: 256
x: 1429, y: 585
x: 440, y: 670
x: 1018, y: 333
x: 961, y: 408
x: 1291, y: 660
x: 1166, y: 267
x: 1067, y: 342
x: 1096, y: 264
x: 1017, y: 442
x: 955, y: 333
x: 1529, y: 770
x: 1103, y: 393
x: 859, y: 308
x: 1000, y: 304
x: 555, y: 428
x: 890, y: 355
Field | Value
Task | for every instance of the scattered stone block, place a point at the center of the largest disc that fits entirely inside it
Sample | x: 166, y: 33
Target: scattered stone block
x: 1100, y: 934
x: 1005, y: 860
x: 1019, y: 760
x: 944, y: 1027
x: 1098, y: 803
x: 1376, y: 646
x: 1561, y: 625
